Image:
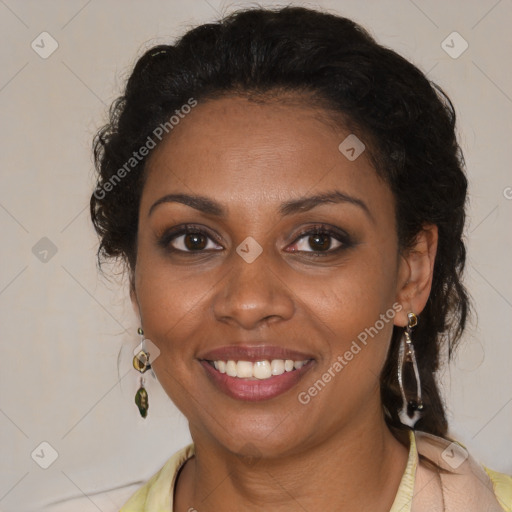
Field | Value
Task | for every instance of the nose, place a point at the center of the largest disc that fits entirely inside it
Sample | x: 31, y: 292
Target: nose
x: 253, y: 294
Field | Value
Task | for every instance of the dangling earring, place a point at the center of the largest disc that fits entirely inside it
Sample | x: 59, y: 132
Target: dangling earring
x: 411, y: 410
x: 141, y: 363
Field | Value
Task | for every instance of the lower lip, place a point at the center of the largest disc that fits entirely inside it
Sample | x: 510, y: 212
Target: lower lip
x: 255, y: 390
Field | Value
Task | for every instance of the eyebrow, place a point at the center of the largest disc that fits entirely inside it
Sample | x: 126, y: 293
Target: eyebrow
x: 304, y: 204
x: 201, y: 203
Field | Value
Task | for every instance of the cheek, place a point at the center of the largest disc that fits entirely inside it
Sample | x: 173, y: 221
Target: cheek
x: 357, y: 305
x: 356, y: 309
x: 168, y: 305
x: 173, y: 303
x: 352, y: 297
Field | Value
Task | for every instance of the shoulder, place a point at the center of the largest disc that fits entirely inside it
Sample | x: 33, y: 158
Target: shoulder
x: 457, y: 479
x: 156, y: 493
x: 502, y: 484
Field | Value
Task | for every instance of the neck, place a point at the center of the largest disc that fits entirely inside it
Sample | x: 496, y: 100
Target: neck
x: 354, y: 469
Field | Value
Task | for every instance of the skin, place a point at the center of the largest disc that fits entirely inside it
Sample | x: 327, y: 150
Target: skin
x: 250, y: 158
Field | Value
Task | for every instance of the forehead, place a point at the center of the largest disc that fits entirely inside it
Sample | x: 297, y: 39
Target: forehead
x: 256, y: 153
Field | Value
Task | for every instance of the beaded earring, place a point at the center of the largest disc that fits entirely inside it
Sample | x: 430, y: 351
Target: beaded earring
x: 141, y: 364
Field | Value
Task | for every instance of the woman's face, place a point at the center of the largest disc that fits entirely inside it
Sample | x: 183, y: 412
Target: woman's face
x: 290, y: 253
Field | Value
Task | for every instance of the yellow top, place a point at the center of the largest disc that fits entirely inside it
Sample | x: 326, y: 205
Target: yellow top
x: 457, y: 484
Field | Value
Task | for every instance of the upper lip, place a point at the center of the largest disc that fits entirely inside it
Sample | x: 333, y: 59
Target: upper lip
x: 253, y: 353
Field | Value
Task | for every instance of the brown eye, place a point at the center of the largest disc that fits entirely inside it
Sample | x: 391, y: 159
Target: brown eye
x: 320, y: 242
x: 188, y: 239
x: 195, y: 241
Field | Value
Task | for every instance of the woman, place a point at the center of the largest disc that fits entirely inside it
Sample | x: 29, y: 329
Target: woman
x: 289, y: 198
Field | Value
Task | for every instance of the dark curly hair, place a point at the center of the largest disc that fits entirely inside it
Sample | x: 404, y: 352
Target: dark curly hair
x: 406, y: 121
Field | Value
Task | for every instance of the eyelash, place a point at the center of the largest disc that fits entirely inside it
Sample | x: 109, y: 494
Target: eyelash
x: 321, y: 229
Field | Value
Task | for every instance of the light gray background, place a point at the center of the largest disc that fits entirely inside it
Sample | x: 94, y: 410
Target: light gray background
x: 63, y: 325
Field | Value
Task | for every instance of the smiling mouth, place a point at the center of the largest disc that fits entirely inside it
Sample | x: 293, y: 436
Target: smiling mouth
x: 258, y: 370
x: 255, y: 380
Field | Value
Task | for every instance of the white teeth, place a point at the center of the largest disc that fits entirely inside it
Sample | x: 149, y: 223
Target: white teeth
x: 231, y: 368
x: 261, y: 370
x: 244, y: 369
x: 258, y: 370
x: 277, y: 366
x: 288, y: 365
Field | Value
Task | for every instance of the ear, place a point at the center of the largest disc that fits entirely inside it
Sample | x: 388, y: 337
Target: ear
x: 415, y: 273
x: 133, y: 296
